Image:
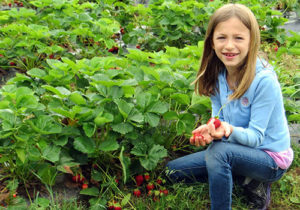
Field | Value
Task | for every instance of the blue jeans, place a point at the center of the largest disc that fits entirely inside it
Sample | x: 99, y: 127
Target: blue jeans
x: 218, y: 164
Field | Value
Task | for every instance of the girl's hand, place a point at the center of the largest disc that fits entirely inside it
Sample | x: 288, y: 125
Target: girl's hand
x: 204, y: 134
x: 225, y: 129
x: 201, y: 136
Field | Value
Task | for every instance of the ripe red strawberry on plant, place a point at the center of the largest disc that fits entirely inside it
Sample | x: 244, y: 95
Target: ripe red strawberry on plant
x: 137, y: 192
x: 78, y: 178
x: 113, y: 50
x: 84, y: 186
x: 12, y: 64
x: 150, y: 186
x: 117, y: 181
x: 158, y: 181
x: 217, y: 122
x: 147, y: 176
x: 139, y: 180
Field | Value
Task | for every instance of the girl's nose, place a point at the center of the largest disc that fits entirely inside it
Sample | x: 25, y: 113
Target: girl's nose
x: 229, y: 44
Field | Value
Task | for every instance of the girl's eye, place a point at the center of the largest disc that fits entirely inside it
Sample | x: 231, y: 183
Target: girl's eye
x: 240, y: 38
x: 221, y: 37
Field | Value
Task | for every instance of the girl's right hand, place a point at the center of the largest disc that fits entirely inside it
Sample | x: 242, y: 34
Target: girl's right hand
x: 201, y: 136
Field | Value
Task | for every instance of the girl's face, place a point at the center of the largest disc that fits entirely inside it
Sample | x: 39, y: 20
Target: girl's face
x: 231, y: 40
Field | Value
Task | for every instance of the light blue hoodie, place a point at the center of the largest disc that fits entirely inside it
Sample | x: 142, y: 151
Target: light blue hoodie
x: 258, y: 117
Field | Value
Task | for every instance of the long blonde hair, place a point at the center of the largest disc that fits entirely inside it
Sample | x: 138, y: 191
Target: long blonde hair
x: 211, y: 65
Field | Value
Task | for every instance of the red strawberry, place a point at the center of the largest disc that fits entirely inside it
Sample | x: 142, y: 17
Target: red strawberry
x: 1, y: 56
x: 78, y: 178
x: 117, y: 181
x: 139, y: 180
x: 137, y: 192
x: 147, y: 176
x: 113, y: 50
x: 12, y: 64
x: 122, y: 31
x: 166, y: 192
x: 150, y: 186
x: 276, y: 49
x: 51, y: 56
x: 138, y: 47
x: 15, y: 195
x: 118, y: 208
x: 9, y: 4
x: 217, y: 122
x: 158, y: 181
x: 84, y: 186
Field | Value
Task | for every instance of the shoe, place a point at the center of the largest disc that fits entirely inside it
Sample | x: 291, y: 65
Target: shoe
x: 258, y: 194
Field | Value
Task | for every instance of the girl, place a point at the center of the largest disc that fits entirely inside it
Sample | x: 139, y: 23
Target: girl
x: 253, y: 139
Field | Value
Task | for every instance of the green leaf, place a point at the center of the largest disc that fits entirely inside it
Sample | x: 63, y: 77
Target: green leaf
x: 59, y: 91
x: 159, y: 107
x: 21, y: 154
x: 156, y: 153
x: 122, y: 128
x: 171, y: 115
x: 181, y: 98
x: 115, y: 92
x: 294, y: 117
x: 47, y: 174
x: 27, y: 101
x: 45, y: 125
x: 126, y: 199
x: 89, y: 129
x: 92, y: 191
x: 125, y: 162
x: 106, y: 118
x: 35, y: 72
x: 77, y: 98
x: 136, y: 116
x: 180, y: 127
x: 140, y: 149
x: 109, y: 145
x: 84, y: 145
x: 143, y: 99
x: 124, y: 107
x: 42, y: 202
x: 152, y: 119
x: 51, y: 153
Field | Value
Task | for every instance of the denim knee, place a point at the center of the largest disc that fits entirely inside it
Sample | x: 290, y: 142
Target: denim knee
x: 217, y: 156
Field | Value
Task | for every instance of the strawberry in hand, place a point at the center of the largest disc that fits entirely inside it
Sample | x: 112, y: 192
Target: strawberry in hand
x: 217, y: 122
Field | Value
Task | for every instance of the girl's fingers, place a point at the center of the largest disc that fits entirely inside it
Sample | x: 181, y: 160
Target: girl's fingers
x: 200, y: 129
x: 192, y: 140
